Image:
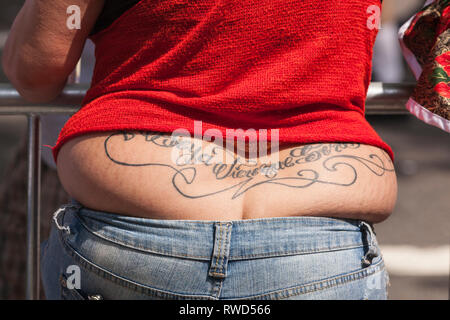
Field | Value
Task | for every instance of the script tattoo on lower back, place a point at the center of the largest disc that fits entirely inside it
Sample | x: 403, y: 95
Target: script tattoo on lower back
x: 333, y: 157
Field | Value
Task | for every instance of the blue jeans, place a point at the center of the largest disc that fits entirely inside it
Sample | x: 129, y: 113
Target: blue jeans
x: 98, y: 255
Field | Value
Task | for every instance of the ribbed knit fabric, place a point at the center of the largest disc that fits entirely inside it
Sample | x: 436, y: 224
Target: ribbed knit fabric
x: 300, y: 66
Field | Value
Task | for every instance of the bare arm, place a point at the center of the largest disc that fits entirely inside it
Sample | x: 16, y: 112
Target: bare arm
x: 41, y: 51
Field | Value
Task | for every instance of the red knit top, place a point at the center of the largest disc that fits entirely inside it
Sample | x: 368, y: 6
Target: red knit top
x: 300, y: 66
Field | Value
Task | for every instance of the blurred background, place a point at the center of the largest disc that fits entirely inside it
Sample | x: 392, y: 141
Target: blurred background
x: 415, y: 240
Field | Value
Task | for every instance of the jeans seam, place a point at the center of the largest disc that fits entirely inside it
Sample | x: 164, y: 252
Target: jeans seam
x: 232, y: 258
x: 356, y: 276
x: 216, y: 266
x: 125, y: 283
x: 138, y: 247
x: 129, y: 284
x: 324, y: 284
x: 299, y: 252
x: 225, y: 250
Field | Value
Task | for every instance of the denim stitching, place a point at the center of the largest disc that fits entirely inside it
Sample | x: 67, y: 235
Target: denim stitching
x: 219, y: 252
x: 222, y: 252
x: 225, y: 247
x: 339, y: 221
x: 137, y: 246
x: 129, y: 284
x: 233, y: 258
x: 321, y: 285
x: 325, y: 284
x: 291, y: 253
x: 218, y: 290
x: 337, y: 281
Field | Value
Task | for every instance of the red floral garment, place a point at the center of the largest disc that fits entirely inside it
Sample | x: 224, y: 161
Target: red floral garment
x: 425, y: 41
x: 441, y: 75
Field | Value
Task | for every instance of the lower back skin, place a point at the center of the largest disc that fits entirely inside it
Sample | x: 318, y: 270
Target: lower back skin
x: 150, y: 175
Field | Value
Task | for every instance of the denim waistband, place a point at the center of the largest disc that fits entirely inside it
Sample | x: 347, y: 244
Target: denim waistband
x: 241, y: 239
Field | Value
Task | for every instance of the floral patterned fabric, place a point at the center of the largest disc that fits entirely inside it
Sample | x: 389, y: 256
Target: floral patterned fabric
x: 425, y: 41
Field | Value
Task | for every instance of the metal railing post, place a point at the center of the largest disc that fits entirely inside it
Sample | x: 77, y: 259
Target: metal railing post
x: 382, y: 99
x: 33, y: 207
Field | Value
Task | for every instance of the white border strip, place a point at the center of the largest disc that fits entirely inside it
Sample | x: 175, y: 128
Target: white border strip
x: 409, y: 56
x: 427, y: 116
x: 414, y: 261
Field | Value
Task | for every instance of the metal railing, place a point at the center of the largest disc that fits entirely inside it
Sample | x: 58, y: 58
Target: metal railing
x: 382, y: 99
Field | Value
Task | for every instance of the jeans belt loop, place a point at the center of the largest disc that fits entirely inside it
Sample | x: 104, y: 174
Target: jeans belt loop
x: 373, y: 248
x: 56, y: 214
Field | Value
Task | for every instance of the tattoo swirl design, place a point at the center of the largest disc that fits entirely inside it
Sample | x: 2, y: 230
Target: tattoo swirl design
x: 184, y: 174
